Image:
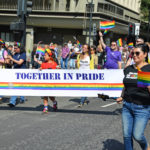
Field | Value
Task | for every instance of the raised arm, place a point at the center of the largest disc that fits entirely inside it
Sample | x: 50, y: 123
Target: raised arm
x: 101, y: 40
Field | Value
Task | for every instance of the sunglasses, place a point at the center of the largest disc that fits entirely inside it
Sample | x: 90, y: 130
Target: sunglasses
x: 136, y: 53
x: 138, y: 41
x: 113, y: 44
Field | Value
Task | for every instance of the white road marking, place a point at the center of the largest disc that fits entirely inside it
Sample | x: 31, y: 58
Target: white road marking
x: 109, y: 104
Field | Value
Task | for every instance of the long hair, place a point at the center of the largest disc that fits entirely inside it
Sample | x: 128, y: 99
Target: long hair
x: 88, y: 46
x: 144, y: 48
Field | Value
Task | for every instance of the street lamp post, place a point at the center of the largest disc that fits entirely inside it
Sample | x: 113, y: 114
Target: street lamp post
x: 90, y: 4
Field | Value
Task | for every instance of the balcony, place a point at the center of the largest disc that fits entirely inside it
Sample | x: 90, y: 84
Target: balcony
x: 110, y: 9
x: 10, y: 5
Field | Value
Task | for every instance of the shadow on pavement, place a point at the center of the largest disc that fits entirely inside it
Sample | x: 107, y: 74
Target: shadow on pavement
x: 75, y: 100
x: 111, y: 144
x: 75, y: 111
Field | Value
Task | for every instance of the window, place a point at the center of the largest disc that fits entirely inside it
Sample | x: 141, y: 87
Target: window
x: 7, y: 37
x: 119, y: 11
x: 77, y: 2
x: 100, y: 7
x: 67, y: 5
x: 88, y: 6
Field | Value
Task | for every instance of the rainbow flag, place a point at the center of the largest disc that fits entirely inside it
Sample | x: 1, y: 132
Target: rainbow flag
x: 106, y: 31
x: 119, y: 42
x: 143, y: 79
x: 78, y: 43
x: 107, y: 25
x: 17, y: 43
x: 130, y: 45
x: 40, y: 50
x: 48, y: 51
x: 3, y: 43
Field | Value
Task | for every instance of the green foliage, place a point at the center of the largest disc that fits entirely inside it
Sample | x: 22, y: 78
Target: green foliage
x: 145, y: 9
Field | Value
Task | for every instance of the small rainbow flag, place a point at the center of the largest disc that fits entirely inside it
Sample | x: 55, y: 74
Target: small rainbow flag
x: 130, y: 45
x: 107, y: 24
x: 40, y: 50
x: 143, y: 79
x: 119, y: 42
x: 48, y: 51
x: 3, y: 43
x: 17, y: 43
x: 106, y: 30
x: 78, y: 43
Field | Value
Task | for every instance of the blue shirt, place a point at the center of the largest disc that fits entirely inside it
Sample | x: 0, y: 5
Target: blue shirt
x: 19, y: 56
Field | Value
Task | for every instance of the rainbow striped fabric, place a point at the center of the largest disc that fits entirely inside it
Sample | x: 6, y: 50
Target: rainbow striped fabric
x: 78, y: 43
x: 3, y: 43
x: 17, y: 43
x: 107, y: 24
x: 40, y: 50
x: 106, y: 31
x: 143, y: 79
x: 130, y: 45
x: 62, y: 86
x: 119, y: 42
x: 48, y: 51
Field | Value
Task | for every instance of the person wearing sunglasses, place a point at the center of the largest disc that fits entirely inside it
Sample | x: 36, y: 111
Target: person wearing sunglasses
x: 136, y: 100
x: 130, y: 59
x: 113, y: 56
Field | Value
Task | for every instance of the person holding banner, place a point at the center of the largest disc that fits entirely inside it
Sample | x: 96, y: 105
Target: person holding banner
x: 49, y: 63
x: 113, y: 56
x: 3, y: 56
x: 85, y: 61
x: 136, y: 100
x: 19, y: 62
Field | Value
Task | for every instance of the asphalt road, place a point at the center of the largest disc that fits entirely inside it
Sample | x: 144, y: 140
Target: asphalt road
x: 96, y: 126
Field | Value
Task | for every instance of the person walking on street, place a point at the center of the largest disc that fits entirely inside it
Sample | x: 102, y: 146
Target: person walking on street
x: 85, y: 61
x: 19, y: 62
x: 49, y: 63
x: 3, y: 58
x: 136, y: 101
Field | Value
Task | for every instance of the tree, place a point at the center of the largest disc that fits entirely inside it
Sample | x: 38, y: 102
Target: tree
x: 145, y: 9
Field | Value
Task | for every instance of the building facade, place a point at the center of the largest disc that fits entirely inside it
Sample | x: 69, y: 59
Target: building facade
x: 59, y: 20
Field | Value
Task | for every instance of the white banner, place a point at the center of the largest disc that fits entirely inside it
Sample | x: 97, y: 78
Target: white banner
x: 74, y: 83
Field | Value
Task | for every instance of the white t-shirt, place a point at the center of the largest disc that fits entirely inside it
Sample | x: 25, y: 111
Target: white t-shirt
x: 85, y: 63
x: 69, y: 45
x: 76, y: 49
